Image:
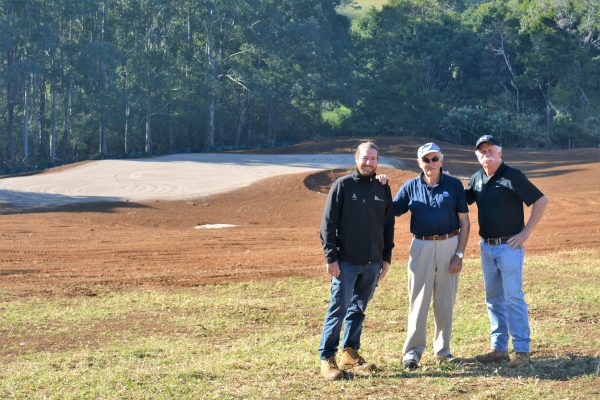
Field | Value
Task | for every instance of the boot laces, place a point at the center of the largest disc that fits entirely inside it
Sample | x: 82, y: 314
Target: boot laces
x: 356, y: 357
x: 332, y: 364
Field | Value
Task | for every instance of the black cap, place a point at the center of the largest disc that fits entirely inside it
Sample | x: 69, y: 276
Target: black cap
x: 487, y: 139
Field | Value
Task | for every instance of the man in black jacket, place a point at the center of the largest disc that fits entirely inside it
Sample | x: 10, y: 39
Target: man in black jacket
x: 357, y: 233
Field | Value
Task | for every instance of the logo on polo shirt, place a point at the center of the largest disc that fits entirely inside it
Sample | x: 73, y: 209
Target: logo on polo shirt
x: 354, y: 196
x: 377, y: 198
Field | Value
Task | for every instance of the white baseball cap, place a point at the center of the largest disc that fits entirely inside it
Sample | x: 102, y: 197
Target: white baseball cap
x: 428, y: 148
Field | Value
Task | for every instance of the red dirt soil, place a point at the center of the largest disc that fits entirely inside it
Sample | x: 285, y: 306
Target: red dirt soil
x: 93, y: 248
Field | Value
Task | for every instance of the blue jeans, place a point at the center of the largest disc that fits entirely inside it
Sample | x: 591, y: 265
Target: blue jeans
x: 503, y: 276
x: 350, y: 293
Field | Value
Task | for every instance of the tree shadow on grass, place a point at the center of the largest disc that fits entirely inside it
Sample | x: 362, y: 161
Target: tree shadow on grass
x: 546, y: 368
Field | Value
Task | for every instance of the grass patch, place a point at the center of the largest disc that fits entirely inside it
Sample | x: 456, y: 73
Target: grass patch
x: 258, y: 340
x: 356, y: 8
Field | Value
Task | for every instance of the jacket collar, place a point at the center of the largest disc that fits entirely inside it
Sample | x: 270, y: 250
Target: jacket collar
x: 357, y: 176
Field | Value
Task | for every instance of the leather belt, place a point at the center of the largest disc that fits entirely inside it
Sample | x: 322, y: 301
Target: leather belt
x: 437, y: 237
x: 497, y: 241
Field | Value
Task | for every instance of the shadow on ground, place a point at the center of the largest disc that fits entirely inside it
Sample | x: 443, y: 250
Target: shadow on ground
x: 12, y: 202
x: 547, y: 368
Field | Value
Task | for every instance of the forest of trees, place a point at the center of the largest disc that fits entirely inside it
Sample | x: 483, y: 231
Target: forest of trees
x: 87, y: 79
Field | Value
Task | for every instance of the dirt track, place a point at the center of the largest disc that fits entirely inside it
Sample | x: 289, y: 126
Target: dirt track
x: 93, y: 248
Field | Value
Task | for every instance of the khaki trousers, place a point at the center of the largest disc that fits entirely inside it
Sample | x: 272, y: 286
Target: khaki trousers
x: 428, y: 275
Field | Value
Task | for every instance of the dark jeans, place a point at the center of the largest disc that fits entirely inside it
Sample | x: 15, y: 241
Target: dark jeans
x: 350, y: 293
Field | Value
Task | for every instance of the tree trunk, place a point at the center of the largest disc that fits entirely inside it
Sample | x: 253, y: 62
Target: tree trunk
x: 210, y: 138
x: 43, y: 140
x: 242, y: 99
x: 10, y: 110
x: 148, y: 147
x: 502, y: 51
x: 171, y: 130
x: 38, y: 134
x: 35, y: 115
x: 25, y: 149
x: 67, y: 120
x: 126, y: 133
x: 10, y: 119
x: 102, y: 148
x: 53, y: 121
x: 271, y: 138
x: 103, y: 77
x: 549, y: 108
x: 212, y: 77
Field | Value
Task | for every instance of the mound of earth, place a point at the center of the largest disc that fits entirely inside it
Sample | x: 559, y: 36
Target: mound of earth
x: 88, y: 249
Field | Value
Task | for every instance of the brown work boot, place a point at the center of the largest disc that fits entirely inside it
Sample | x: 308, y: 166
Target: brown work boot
x: 330, y: 370
x: 519, y: 360
x: 352, y: 360
x: 492, y: 357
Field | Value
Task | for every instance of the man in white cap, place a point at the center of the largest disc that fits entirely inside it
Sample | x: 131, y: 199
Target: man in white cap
x: 440, y: 224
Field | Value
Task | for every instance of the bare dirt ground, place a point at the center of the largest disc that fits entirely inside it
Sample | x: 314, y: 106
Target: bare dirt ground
x: 92, y: 248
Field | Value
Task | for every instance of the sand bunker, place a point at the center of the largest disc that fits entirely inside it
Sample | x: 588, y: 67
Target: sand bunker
x: 173, y: 177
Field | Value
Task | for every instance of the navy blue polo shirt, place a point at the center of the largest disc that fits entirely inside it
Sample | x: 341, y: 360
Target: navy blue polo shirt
x: 500, y: 200
x: 433, y: 210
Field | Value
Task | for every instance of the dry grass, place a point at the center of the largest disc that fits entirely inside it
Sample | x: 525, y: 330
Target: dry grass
x: 258, y: 340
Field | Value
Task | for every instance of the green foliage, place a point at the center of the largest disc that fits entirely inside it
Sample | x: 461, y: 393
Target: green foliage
x: 335, y: 114
x: 465, y: 124
x: 131, y: 76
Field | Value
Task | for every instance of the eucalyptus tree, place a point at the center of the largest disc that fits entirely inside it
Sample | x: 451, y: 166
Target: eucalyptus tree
x: 417, y: 61
x: 560, y: 66
x: 11, y: 43
x: 300, y: 49
x: 215, y: 45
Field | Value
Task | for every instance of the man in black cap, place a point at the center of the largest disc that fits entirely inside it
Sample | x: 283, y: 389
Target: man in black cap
x: 500, y: 192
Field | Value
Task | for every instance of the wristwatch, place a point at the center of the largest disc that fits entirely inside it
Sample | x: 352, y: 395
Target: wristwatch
x: 459, y: 255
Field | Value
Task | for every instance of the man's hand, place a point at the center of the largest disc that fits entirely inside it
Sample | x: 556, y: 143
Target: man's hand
x: 384, y: 269
x: 455, y: 264
x: 537, y: 210
x: 383, y: 179
x: 518, y: 240
x: 333, y: 269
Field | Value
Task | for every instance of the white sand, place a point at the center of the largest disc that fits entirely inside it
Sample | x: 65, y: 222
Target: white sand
x: 173, y: 177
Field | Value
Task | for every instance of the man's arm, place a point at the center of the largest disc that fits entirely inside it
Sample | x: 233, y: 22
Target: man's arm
x: 329, y: 225
x: 537, y: 211
x: 388, y: 235
x: 463, y: 237
x: 470, y: 194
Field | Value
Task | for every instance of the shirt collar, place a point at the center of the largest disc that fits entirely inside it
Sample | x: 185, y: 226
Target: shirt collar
x: 440, y: 181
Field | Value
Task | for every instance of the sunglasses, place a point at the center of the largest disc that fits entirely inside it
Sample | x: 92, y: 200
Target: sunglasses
x: 427, y: 160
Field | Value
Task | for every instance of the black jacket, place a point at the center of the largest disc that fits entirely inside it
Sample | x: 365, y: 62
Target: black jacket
x: 358, y: 221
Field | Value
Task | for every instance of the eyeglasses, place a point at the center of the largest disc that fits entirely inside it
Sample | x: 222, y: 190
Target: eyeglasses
x: 427, y: 160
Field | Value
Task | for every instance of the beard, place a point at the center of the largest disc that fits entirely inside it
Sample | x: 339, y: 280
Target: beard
x: 366, y: 171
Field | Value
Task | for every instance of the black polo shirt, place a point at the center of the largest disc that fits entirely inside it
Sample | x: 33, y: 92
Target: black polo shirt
x: 500, y: 200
